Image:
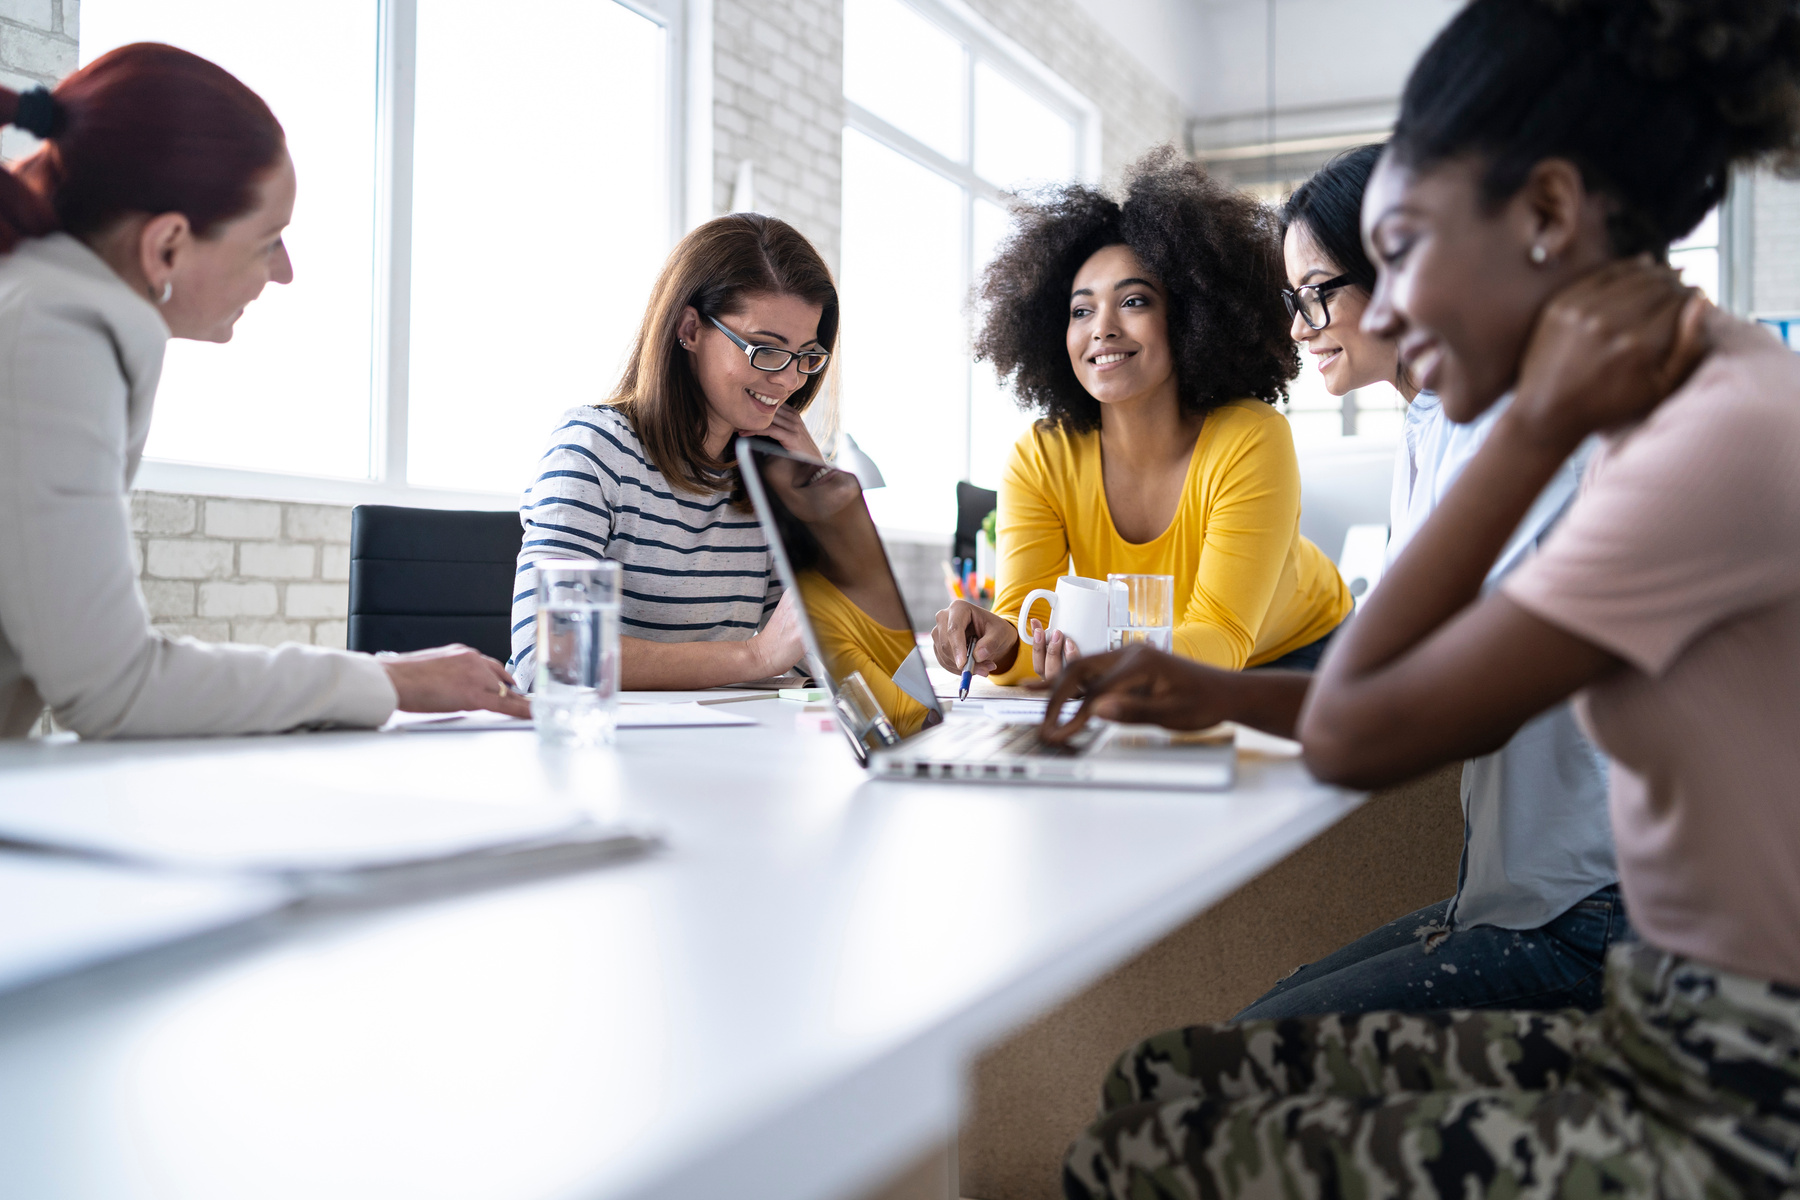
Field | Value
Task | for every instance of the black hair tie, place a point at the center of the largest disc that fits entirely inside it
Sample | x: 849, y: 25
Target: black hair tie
x: 38, y: 113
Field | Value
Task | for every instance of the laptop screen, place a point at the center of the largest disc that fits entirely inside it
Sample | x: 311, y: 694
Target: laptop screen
x: 859, y: 636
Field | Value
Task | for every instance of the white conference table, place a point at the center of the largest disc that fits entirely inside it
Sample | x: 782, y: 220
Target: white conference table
x: 780, y: 1003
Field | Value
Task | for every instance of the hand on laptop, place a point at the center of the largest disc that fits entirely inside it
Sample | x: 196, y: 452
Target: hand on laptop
x: 996, y: 639
x: 1147, y: 686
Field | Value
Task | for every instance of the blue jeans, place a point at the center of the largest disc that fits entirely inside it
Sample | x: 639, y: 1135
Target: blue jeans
x: 1410, y: 965
x: 1303, y: 658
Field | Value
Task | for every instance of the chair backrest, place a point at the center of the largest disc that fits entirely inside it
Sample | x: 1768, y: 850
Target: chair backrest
x: 421, y: 577
x: 973, y: 504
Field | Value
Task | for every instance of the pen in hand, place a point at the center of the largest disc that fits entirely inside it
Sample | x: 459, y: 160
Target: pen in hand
x: 968, y: 668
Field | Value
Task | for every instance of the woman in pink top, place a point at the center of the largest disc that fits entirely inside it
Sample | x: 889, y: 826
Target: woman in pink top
x: 1542, y: 146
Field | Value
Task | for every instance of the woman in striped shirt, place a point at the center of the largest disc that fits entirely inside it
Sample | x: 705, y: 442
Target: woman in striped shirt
x: 738, y: 332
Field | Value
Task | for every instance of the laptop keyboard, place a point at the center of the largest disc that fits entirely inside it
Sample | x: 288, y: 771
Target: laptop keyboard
x: 984, y: 740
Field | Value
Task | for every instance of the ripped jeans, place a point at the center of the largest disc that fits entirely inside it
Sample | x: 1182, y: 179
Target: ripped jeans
x: 1414, y: 965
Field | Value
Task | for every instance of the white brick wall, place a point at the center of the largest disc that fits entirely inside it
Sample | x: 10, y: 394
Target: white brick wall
x: 244, y: 570
x: 778, y: 101
x: 1775, y: 259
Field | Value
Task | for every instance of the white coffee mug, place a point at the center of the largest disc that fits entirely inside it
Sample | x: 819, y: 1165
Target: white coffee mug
x: 1077, y: 611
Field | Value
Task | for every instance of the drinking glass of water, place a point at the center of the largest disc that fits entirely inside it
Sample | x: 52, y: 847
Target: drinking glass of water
x: 1140, y: 608
x: 575, y: 699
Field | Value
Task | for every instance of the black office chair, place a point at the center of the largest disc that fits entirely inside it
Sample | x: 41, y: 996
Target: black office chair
x: 421, y: 577
x: 973, y: 504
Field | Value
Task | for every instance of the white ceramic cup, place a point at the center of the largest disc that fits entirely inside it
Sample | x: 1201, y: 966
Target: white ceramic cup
x: 1077, y: 611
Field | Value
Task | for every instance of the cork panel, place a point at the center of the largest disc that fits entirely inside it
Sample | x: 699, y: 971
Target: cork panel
x: 1033, y: 1092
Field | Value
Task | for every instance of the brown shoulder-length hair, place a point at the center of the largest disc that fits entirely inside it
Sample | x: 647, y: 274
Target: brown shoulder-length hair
x: 713, y: 269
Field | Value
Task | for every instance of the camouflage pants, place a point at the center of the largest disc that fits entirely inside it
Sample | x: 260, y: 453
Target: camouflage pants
x: 1686, y: 1084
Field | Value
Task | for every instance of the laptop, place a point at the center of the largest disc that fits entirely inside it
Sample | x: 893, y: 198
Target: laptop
x: 860, y: 646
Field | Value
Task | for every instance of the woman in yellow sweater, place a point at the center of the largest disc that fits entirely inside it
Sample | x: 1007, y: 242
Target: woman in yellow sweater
x: 1159, y: 451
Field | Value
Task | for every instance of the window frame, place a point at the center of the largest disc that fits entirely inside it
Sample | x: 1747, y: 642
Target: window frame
x: 687, y: 26
x: 981, y: 42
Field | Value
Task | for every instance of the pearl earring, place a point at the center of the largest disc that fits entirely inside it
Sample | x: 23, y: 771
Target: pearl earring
x: 1539, y: 255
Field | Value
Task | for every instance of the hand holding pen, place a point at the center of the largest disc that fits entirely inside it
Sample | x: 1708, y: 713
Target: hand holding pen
x: 962, y: 693
x: 968, y: 639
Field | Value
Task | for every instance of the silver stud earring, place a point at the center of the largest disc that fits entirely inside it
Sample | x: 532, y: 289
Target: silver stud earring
x: 683, y: 342
x: 1539, y: 255
x: 168, y: 290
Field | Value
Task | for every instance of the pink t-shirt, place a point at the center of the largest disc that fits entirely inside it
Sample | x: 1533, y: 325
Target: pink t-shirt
x: 1682, y: 557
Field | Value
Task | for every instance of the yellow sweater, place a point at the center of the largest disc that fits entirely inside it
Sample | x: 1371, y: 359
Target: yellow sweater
x: 1248, y: 587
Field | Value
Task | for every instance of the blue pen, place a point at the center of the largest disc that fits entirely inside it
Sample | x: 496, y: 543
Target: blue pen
x: 968, y: 668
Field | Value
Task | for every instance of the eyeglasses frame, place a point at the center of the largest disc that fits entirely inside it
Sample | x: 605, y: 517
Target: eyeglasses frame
x: 1291, y: 298
x: 750, y: 350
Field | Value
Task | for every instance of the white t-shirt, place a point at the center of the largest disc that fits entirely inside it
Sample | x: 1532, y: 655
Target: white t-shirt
x: 1536, y: 838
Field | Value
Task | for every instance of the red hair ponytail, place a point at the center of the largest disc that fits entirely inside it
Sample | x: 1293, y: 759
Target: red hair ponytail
x: 145, y: 128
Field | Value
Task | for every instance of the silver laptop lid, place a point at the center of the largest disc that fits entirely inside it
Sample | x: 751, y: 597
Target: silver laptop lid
x: 859, y: 636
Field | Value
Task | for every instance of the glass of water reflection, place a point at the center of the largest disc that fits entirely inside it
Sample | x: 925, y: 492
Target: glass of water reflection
x: 1140, y: 608
x: 575, y: 699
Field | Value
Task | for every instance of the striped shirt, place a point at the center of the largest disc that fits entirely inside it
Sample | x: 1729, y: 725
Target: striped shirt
x: 694, y: 568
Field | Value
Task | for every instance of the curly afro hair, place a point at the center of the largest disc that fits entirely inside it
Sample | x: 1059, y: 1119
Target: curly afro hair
x: 1215, y: 250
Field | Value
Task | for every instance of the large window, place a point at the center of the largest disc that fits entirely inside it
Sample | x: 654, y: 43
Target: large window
x: 942, y: 119
x: 473, y: 239
x: 290, y: 392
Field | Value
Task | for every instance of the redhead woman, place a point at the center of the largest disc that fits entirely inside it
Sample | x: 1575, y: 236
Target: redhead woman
x: 153, y: 210
x: 1546, y: 155
x: 1150, y: 335
x: 735, y: 341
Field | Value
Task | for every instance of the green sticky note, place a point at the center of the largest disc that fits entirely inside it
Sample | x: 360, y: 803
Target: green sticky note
x: 804, y: 695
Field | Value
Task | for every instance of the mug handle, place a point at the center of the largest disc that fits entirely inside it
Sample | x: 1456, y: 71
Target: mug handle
x: 1025, y: 611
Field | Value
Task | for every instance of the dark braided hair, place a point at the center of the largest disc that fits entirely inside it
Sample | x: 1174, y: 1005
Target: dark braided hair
x: 1654, y: 100
x: 1215, y: 251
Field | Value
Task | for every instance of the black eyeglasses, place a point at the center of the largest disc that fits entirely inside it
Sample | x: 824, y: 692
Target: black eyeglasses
x: 1309, y: 301
x: 774, y: 358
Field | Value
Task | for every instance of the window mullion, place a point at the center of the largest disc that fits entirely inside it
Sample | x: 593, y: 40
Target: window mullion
x: 863, y: 121
x: 968, y: 256
x: 393, y: 256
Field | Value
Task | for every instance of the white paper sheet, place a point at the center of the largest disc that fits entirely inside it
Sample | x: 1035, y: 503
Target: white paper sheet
x: 704, y: 696
x: 1016, y: 712
x: 63, y: 913
x: 633, y: 714
x: 679, y: 716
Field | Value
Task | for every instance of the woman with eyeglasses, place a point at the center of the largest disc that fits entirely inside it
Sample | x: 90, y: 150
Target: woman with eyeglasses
x: 1150, y: 334
x: 735, y: 341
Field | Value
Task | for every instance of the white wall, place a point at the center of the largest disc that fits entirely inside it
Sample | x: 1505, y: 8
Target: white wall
x: 1213, y: 55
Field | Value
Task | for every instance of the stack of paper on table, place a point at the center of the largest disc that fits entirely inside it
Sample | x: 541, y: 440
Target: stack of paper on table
x: 221, y: 817
x: 946, y: 684
x: 114, y: 858
x: 63, y: 914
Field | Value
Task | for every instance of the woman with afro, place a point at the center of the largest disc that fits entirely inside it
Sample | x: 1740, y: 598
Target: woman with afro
x: 1150, y: 334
